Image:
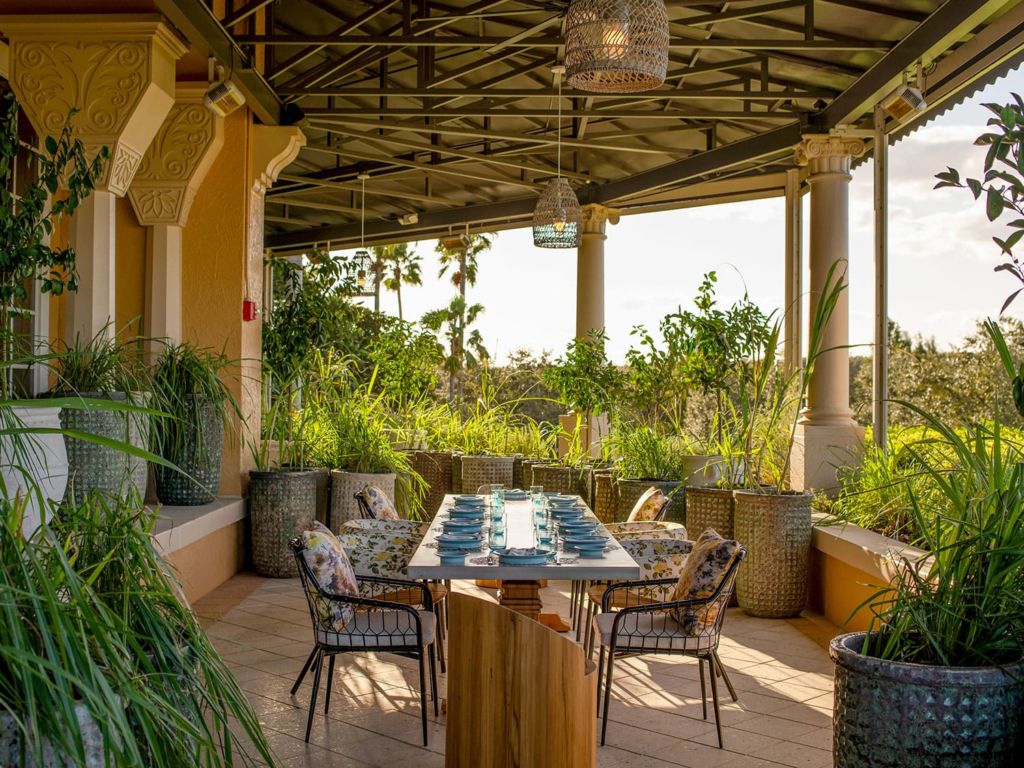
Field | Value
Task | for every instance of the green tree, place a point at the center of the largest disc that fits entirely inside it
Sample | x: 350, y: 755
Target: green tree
x: 464, y: 351
x: 462, y: 260
x: 398, y: 265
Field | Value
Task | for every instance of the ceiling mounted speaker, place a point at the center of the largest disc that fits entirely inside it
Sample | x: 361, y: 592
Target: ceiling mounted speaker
x: 616, y: 46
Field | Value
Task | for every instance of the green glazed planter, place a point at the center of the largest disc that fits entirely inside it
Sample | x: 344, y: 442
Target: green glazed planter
x: 892, y: 714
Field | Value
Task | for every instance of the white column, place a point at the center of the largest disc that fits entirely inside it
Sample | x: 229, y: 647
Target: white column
x: 794, y: 268
x: 827, y: 435
x: 163, y: 282
x: 93, y: 306
x: 590, y: 269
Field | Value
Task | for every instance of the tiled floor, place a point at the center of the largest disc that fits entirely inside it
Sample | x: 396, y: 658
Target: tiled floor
x: 780, y: 669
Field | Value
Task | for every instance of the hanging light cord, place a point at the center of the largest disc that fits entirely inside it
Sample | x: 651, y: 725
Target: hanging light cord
x: 558, y: 128
x: 362, y: 212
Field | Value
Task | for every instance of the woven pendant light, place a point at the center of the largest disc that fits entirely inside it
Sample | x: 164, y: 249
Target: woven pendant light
x: 616, y: 46
x: 556, y: 218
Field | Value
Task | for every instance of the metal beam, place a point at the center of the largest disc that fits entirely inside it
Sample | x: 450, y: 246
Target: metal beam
x: 550, y: 93
x: 244, y: 12
x: 738, y: 13
x: 205, y: 32
x: 546, y: 114
x: 497, y: 135
x: 481, y: 41
x: 880, y: 9
x: 353, y: 187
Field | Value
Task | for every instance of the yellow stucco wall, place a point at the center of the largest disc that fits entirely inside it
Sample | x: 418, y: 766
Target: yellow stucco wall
x: 837, y: 589
x: 130, y: 245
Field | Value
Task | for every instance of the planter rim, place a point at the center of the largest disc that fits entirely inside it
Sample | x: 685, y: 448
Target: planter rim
x: 648, y: 480
x: 781, y: 495
x: 710, y: 490
x: 844, y: 652
x: 279, y: 472
x: 363, y: 474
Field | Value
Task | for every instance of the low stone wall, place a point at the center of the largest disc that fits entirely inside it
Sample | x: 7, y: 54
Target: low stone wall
x: 849, y: 564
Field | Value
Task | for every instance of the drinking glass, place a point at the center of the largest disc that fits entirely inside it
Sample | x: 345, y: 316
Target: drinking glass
x: 537, y: 495
x: 496, y: 534
x: 497, y: 494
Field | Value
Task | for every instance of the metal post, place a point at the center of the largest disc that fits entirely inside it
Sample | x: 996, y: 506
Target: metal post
x: 880, y: 377
x: 794, y: 272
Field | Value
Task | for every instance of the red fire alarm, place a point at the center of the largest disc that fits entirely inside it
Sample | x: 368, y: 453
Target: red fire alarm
x: 249, y: 310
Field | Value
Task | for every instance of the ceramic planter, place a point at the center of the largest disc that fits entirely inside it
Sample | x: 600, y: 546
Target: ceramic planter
x: 605, y: 504
x: 54, y: 755
x: 701, y: 471
x: 776, y: 530
x: 345, y: 486
x: 891, y: 714
x: 44, y: 463
x: 199, y: 479
x: 629, y: 490
x: 282, y: 504
x: 710, y: 508
x: 93, y: 467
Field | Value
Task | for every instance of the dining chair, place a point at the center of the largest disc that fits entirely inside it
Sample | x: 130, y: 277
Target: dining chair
x: 412, y: 527
x: 658, y: 559
x: 386, y: 554
x: 689, y: 627
x: 374, y: 504
x: 363, y: 622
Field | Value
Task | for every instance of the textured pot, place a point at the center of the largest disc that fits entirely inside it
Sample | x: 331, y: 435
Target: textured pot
x: 521, y: 472
x: 629, y: 490
x: 457, y: 472
x: 43, y: 463
x: 484, y: 470
x: 776, y: 530
x: 435, y: 467
x: 282, y: 504
x: 710, y: 508
x: 93, y: 467
x: 323, y: 489
x: 345, y: 486
x: 199, y: 479
x: 54, y: 756
x: 605, y: 504
x: 891, y: 714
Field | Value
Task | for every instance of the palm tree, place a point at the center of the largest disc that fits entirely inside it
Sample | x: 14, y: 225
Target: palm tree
x: 452, y: 322
x: 462, y: 260
x: 398, y: 264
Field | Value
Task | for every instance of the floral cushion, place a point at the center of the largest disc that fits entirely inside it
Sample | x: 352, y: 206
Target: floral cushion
x: 378, y: 503
x: 410, y: 527
x: 649, y: 506
x: 379, y: 553
x: 330, y: 567
x: 705, y: 567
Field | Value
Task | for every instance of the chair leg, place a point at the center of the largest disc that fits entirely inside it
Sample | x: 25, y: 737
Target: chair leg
x: 316, y: 689
x: 433, y: 681
x: 703, y: 687
x: 582, y: 597
x: 441, y: 613
x: 714, y: 699
x: 330, y: 684
x: 305, y: 669
x: 591, y: 633
x: 423, y: 692
x: 608, y: 690
x: 572, y: 604
x: 600, y: 673
x: 725, y: 676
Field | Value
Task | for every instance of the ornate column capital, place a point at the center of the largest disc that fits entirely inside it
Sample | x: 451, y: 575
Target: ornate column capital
x: 117, y: 70
x: 177, y: 160
x: 593, y: 218
x: 825, y: 153
x: 273, y: 148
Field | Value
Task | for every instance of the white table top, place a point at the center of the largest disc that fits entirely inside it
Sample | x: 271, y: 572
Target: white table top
x: 425, y: 564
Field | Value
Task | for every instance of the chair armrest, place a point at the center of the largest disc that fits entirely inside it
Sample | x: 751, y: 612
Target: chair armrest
x: 618, y: 586
x: 423, y: 589
x: 370, y: 602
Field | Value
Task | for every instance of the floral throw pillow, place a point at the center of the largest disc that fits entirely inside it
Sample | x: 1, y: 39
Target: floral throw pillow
x: 330, y: 567
x: 649, y: 506
x: 705, y: 567
x: 378, y: 503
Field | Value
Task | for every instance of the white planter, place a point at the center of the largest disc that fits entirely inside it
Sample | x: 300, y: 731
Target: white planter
x: 41, y: 462
x: 703, y: 471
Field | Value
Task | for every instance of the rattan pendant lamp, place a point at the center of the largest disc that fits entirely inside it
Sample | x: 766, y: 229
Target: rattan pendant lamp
x: 556, y: 218
x: 616, y: 46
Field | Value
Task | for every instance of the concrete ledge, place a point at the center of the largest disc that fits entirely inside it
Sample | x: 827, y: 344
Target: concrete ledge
x: 860, y: 548
x: 179, y: 527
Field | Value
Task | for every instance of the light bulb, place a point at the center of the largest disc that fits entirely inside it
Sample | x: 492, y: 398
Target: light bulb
x: 558, y: 222
x: 615, y: 38
x: 361, y: 278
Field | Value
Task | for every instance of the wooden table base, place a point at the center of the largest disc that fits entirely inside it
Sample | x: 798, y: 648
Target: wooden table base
x: 522, y: 597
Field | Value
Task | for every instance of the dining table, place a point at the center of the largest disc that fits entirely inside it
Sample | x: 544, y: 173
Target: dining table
x: 520, y: 584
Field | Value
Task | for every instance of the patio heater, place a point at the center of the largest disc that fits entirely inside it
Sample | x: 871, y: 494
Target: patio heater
x: 616, y: 46
x: 556, y: 218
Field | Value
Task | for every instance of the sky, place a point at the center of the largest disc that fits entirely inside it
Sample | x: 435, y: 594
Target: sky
x: 941, y: 256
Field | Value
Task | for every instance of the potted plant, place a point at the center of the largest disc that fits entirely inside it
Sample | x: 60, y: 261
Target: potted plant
x: 644, y: 458
x: 282, y: 491
x: 938, y: 679
x: 103, y: 368
x: 345, y: 426
x: 26, y: 258
x: 188, y: 388
x: 102, y: 661
x: 773, y: 521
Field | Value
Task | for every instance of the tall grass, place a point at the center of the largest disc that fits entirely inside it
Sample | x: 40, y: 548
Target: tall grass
x: 964, y: 604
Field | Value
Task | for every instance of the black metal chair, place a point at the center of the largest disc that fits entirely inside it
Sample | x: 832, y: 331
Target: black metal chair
x: 646, y: 627
x: 375, y: 625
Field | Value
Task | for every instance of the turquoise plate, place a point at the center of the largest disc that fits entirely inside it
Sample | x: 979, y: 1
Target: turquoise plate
x: 585, y: 542
x: 591, y: 554
x: 459, y: 541
x: 539, y: 557
x: 466, y: 512
x: 462, y: 526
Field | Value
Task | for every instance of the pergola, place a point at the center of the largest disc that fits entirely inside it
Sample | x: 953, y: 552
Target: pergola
x: 447, y: 112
